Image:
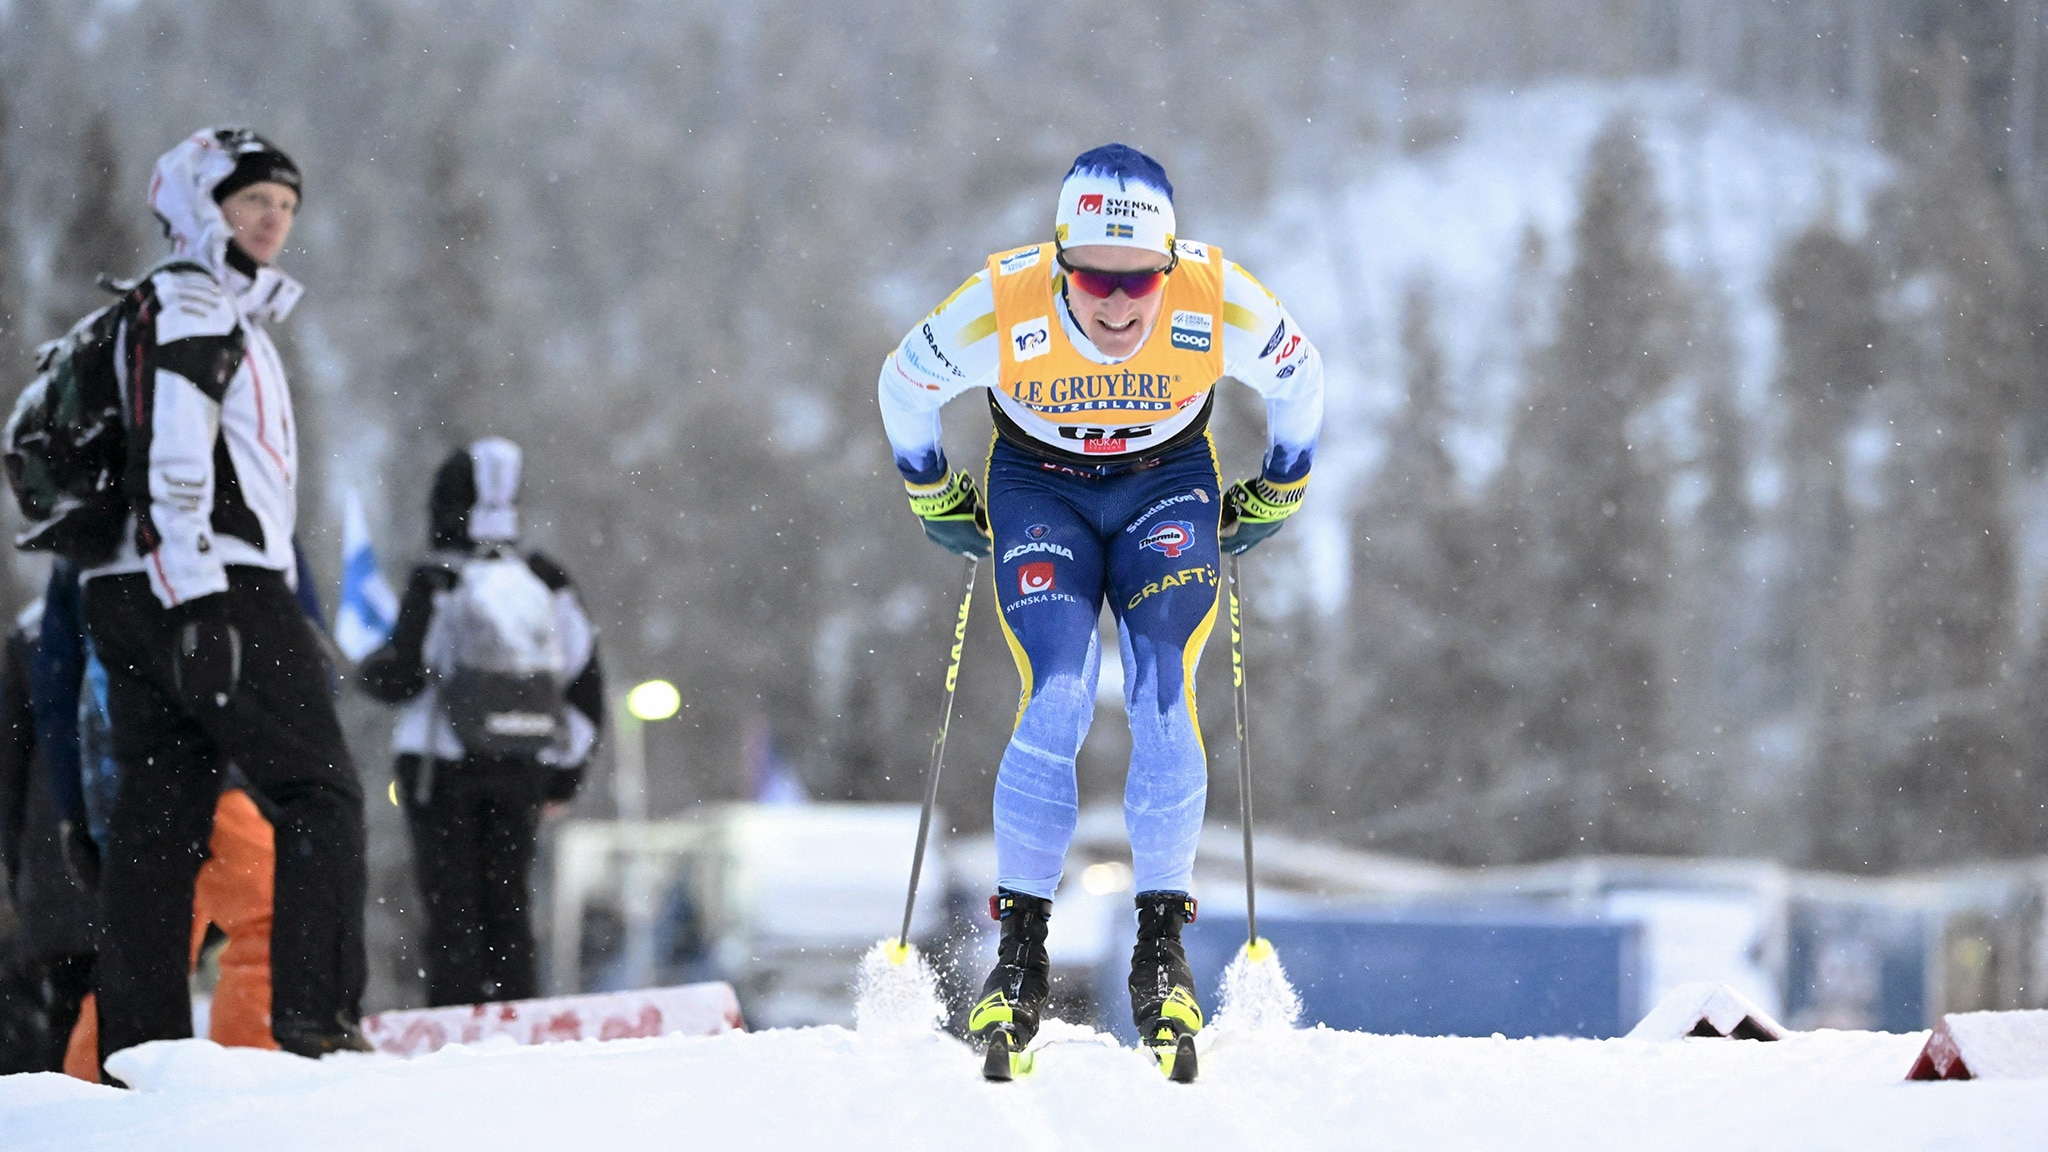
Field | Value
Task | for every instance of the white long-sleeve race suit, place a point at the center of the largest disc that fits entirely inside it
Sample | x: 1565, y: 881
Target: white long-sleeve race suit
x: 955, y: 349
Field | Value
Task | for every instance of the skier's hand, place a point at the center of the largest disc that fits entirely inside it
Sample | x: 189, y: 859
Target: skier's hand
x: 206, y: 655
x: 1255, y: 509
x: 952, y: 513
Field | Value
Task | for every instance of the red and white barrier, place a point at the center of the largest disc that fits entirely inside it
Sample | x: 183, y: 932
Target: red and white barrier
x: 1985, y: 1046
x: 688, y: 1010
x: 1707, y: 1010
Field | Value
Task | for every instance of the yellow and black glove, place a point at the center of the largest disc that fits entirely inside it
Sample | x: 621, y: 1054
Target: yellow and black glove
x: 953, y: 515
x: 1254, y: 509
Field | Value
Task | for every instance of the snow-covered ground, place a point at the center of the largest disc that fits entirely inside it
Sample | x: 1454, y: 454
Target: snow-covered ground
x: 895, y: 1085
x: 819, y: 1089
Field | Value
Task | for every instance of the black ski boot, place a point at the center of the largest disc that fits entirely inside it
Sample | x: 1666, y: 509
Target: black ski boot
x: 1006, y: 1018
x: 316, y: 1038
x: 1162, y: 988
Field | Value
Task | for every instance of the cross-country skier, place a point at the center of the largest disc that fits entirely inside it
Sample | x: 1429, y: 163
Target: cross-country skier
x: 1099, y: 352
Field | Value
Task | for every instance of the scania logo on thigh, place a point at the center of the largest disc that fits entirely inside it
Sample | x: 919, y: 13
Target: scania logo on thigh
x: 1171, y: 537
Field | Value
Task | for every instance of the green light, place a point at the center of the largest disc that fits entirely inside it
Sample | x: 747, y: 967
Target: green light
x: 654, y: 700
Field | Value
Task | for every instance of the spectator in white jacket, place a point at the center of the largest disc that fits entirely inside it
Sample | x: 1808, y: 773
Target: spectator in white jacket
x: 208, y: 656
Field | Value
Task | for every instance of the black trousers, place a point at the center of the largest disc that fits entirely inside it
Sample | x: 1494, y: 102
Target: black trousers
x: 474, y: 825
x: 39, y: 1003
x: 280, y: 729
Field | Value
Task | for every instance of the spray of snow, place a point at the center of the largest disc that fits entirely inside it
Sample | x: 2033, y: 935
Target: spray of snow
x: 1256, y: 995
x: 897, y: 994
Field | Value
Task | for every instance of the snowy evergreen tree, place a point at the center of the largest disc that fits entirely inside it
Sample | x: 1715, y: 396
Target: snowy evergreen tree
x: 1425, y: 730
x: 1583, y: 510
x: 99, y: 237
x: 1717, y: 689
x: 1921, y: 759
x: 451, y: 373
x: 14, y: 341
x: 1826, y: 291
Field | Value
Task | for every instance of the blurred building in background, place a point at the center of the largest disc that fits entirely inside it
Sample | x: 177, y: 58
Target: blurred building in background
x: 764, y: 896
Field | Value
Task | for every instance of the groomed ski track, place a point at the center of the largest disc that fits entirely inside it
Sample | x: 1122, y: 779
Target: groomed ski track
x: 830, y: 1089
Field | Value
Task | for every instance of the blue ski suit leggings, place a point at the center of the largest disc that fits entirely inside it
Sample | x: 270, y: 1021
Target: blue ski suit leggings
x: 1066, y: 538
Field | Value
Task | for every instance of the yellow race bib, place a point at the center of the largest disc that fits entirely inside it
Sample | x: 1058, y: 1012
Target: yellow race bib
x: 1059, y: 397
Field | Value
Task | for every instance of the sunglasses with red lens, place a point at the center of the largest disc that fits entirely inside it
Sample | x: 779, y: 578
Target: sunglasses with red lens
x: 1096, y: 282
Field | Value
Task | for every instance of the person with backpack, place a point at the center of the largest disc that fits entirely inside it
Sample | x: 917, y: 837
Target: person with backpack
x: 189, y: 606
x: 494, y: 664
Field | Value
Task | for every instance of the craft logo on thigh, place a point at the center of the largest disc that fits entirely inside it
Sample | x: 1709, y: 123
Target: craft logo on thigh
x: 1034, y: 577
x: 1171, y: 537
x: 1204, y: 574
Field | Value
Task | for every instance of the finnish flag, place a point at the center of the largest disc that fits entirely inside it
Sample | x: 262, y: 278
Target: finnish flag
x: 369, y: 608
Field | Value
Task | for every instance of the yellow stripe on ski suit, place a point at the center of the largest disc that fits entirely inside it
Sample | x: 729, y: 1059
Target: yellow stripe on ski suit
x: 1200, y: 638
x: 1017, y: 652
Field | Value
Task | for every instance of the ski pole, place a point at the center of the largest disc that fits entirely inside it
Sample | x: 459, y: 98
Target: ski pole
x: 1244, y: 752
x: 931, y: 783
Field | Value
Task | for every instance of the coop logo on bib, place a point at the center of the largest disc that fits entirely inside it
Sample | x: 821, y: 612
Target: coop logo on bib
x: 1034, y: 577
x: 1033, y: 338
x: 1192, y: 330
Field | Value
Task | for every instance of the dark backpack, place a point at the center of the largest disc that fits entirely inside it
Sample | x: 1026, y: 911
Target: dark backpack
x: 65, y: 446
x: 502, y: 672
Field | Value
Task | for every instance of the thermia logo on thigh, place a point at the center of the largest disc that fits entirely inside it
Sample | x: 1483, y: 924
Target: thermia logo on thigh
x: 1034, y: 577
x: 1171, y: 537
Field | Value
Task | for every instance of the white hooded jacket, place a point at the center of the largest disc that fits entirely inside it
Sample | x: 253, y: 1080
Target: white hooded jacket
x: 213, y: 449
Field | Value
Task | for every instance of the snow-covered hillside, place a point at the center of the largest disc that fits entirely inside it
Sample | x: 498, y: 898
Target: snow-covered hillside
x: 1454, y: 212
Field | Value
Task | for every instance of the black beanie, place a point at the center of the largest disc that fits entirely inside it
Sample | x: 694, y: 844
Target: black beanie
x: 475, y: 495
x: 256, y: 161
